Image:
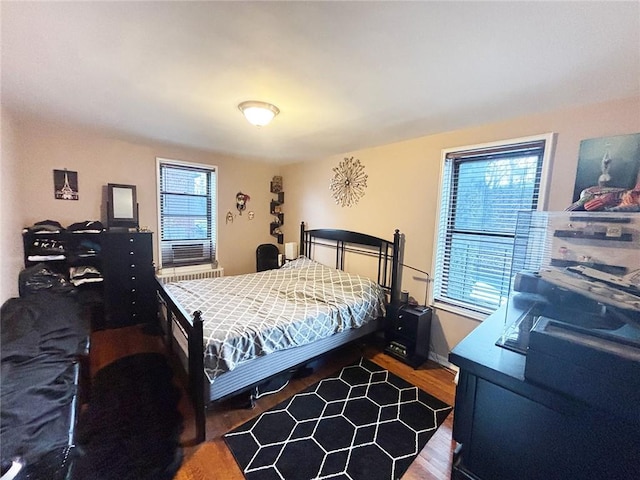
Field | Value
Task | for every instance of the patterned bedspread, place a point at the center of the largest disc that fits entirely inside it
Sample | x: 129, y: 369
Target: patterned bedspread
x: 246, y: 316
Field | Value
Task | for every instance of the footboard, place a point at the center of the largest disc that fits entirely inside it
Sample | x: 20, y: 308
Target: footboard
x: 174, y: 316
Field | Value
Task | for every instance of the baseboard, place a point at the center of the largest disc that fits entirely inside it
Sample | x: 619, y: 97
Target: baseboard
x: 443, y: 361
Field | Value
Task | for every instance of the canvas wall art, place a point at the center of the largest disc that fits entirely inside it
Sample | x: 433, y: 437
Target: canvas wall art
x: 608, y: 162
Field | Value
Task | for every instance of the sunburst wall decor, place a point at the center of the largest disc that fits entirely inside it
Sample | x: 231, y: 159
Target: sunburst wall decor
x: 349, y: 182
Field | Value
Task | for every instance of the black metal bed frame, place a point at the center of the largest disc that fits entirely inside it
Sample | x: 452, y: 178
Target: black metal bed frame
x: 387, y: 252
x: 388, y: 255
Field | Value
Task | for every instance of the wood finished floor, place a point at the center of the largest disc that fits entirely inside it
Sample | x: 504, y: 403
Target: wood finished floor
x: 216, y: 462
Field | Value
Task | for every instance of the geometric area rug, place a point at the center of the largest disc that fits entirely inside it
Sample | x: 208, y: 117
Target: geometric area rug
x: 361, y: 423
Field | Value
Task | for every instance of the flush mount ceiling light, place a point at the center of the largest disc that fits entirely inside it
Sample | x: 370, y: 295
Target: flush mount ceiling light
x: 258, y: 113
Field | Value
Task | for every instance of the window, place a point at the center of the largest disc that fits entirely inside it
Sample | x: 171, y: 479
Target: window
x: 482, y: 189
x: 187, y: 210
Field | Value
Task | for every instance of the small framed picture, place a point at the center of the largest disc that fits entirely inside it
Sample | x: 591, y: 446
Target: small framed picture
x: 65, y: 185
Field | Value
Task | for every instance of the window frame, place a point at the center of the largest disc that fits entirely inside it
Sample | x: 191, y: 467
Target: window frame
x: 214, y: 212
x: 463, y: 308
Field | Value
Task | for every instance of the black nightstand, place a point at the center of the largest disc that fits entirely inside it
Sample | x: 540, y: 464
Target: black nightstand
x: 408, y: 333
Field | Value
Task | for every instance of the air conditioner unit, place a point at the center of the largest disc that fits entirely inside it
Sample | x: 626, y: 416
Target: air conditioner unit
x: 186, y: 252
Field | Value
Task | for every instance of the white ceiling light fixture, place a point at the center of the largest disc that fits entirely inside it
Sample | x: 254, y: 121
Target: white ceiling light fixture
x: 258, y: 113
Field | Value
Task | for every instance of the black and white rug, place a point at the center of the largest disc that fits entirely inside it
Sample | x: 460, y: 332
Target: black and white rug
x: 361, y: 423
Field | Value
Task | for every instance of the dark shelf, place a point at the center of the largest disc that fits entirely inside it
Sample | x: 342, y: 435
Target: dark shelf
x: 612, y: 269
x: 411, y: 360
x: 625, y: 237
x: 274, y: 204
x: 578, y: 218
x: 272, y: 227
x: 279, y: 215
x: 70, y: 240
x: 275, y: 190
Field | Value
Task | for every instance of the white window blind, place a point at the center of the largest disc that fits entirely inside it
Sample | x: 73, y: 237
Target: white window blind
x: 187, y: 214
x: 482, y: 191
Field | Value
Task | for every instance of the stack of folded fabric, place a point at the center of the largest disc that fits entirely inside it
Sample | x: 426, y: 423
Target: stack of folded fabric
x: 87, y: 226
x: 84, y: 274
x: 51, y: 226
x: 44, y: 227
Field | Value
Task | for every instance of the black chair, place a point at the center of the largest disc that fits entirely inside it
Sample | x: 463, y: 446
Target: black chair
x: 266, y: 257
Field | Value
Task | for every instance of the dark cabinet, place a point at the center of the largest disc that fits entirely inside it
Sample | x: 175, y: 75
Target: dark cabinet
x: 408, y: 333
x: 129, y: 275
x: 509, y: 428
x: 123, y: 262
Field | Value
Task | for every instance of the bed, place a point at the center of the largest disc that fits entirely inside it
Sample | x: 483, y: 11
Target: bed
x: 233, y: 333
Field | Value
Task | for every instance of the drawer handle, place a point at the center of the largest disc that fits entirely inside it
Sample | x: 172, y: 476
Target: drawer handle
x: 133, y: 265
x: 131, y: 240
x: 133, y: 290
x: 133, y: 278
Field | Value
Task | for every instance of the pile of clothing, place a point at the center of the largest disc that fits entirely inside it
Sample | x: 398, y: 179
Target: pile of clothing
x: 42, y: 337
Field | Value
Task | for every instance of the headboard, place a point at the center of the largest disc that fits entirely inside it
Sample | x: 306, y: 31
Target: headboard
x: 387, y: 252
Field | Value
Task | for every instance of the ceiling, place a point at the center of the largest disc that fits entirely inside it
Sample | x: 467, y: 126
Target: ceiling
x: 345, y: 75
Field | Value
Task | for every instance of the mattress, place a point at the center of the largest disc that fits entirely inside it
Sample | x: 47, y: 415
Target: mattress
x: 250, y: 316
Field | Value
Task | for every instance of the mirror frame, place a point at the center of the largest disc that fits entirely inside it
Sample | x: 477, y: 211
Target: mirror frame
x: 122, y: 221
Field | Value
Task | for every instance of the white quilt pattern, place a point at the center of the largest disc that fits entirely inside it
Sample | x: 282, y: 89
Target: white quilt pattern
x: 246, y: 316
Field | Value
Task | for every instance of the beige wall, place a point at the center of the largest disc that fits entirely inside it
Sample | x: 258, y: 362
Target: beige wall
x: 403, y: 188
x: 11, y: 208
x: 37, y: 147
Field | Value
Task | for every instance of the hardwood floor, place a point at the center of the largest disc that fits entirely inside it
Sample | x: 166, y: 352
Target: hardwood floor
x: 212, y: 460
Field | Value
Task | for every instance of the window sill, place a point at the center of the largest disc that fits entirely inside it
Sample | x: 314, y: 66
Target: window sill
x: 463, y: 312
